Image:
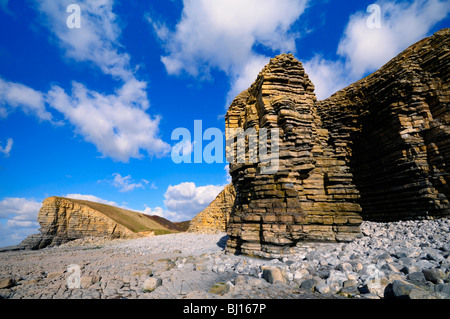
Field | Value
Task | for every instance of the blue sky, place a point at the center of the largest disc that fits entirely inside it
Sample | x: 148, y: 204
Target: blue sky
x: 89, y: 112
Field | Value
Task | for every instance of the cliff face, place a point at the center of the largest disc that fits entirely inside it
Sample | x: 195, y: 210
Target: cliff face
x: 64, y: 219
x: 215, y: 217
x: 378, y: 149
x: 392, y: 127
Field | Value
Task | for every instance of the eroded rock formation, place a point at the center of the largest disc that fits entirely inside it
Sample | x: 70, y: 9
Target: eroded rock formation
x: 378, y: 149
x: 64, y: 219
x: 214, y: 218
x: 392, y: 127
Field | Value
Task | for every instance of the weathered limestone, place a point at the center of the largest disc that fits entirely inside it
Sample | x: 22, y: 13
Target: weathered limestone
x: 215, y: 217
x: 311, y: 196
x: 392, y: 127
x: 378, y: 149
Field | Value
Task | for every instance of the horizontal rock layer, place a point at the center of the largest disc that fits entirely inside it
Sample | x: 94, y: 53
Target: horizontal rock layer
x: 392, y: 127
x: 378, y: 149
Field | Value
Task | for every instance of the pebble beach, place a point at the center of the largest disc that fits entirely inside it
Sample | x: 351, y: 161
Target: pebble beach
x: 407, y: 260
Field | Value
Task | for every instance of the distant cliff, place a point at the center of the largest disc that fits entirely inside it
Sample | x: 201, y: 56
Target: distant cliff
x: 214, y: 218
x: 65, y: 219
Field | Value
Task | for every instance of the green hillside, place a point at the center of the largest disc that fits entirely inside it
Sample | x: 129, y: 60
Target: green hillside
x: 134, y: 221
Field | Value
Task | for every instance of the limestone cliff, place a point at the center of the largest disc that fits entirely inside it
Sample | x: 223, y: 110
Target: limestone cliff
x: 378, y: 149
x: 215, y: 217
x: 392, y: 127
x: 64, y: 219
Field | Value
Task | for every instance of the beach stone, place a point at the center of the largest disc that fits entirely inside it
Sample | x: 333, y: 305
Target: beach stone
x: 345, y: 267
x: 410, y: 269
x: 434, y: 275
x: 386, y: 257
x: 349, y: 283
x: 7, y: 283
x: 402, y: 289
x: 152, y: 283
x: 273, y: 275
x: 417, y: 277
x: 308, y: 284
x: 423, y: 294
x: 322, y: 288
x: 444, y: 290
x: 349, y: 291
x: 377, y: 286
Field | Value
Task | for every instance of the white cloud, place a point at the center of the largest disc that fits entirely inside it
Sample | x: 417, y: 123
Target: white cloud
x: 16, y: 95
x: 184, y: 201
x: 7, y: 149
x: 126, y: 184
x: 403, y: 23
x: 327, y: 76
x: 187, y: 200
x: 245, y: 76
x: 157, y: 211
x: 97, y: 39
x: 91, y: 198
x: 227, y: 175
x: 117, y: 124
x: 19, y: 209
x: 164, y: 213
x: 20, y: 215
x: 363, y: 50
x: 222, y: 34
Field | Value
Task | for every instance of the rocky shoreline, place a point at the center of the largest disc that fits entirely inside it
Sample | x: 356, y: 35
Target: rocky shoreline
x: 409, y: 259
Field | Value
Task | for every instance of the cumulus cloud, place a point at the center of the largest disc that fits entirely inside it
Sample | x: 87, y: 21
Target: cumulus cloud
x: 328, y: 76
x: 362, y: 49
x: 118, y: 124
x: 222, y: 34
x: 403, y: 23
x: 18, y: 96
x: 18, y: 219
x: 164, y: 213
x: 97, y: 41
x: 126, y: 183
x: 6, y: 150
x: 187, y: 199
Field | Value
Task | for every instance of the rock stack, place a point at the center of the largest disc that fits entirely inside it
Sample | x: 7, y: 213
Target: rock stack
x: 378, y: 149
x: 311, y: 195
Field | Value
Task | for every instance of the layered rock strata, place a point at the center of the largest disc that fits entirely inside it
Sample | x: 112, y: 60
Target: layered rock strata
x: 392, y: 127
x: 63, y: 220
x: 378, y: 149
x: 214, y: 218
